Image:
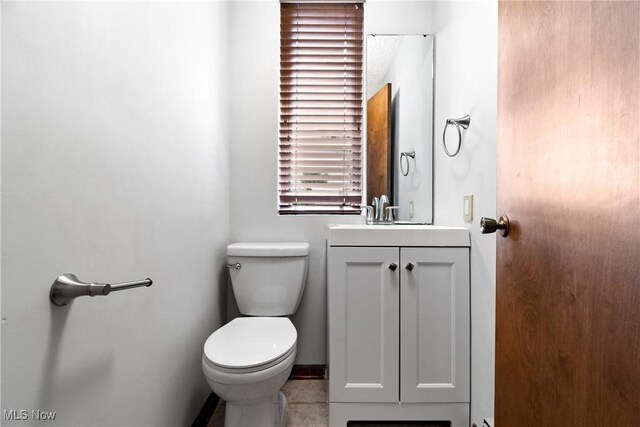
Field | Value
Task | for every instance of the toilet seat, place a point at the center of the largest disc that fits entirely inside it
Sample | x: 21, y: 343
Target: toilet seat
x: 251, y: 369
x: 250, y: 344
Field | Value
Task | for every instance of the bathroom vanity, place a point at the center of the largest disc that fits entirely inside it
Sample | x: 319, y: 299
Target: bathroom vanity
x: 398, y: 323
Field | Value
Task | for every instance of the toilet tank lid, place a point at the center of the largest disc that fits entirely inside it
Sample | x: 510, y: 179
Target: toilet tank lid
x: 271, y: 249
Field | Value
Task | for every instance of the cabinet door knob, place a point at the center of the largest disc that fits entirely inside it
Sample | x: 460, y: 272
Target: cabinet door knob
x: 393, y: 266
x: 410, y: 266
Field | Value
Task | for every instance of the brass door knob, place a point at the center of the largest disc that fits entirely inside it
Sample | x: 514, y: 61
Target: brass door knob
x: 490, y: 225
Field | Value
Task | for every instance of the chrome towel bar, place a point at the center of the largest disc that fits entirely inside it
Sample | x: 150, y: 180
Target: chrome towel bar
x: 67, y: 287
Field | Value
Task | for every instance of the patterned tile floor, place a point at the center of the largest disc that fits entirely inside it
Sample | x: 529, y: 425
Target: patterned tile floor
x: 307, y: 405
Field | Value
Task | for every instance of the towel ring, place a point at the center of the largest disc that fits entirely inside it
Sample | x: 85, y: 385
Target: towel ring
x: 462, y: 122
x: 405, y: 155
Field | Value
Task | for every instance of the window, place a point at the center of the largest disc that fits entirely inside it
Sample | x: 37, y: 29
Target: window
x: 320, y: 138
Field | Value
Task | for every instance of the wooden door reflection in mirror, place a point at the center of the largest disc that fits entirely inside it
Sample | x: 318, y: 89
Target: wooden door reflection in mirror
x: 379, y: 143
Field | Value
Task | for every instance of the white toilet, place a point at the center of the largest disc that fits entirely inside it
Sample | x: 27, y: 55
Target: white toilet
x: 249, y: 359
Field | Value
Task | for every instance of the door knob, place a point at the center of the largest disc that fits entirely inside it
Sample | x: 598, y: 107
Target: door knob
x: 393, y: 266
x: 490, y: 225
x: 410, y: 266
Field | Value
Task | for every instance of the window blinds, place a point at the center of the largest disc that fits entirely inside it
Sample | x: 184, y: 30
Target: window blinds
x: 320, y: 138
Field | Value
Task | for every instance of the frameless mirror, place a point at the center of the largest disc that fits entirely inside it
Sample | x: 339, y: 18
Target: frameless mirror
x: 399, y: 141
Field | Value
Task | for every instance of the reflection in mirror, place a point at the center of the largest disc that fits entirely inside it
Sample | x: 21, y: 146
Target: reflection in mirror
x: 379, y: 142
x: 400, y: 123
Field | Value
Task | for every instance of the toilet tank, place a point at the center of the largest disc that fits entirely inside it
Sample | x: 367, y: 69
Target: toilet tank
x: 271, y: 277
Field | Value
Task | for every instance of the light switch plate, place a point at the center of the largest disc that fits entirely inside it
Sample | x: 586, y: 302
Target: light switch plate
x: 467, y: 210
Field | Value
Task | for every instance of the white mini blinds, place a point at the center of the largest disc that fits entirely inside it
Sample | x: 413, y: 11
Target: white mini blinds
x: 320, y: 141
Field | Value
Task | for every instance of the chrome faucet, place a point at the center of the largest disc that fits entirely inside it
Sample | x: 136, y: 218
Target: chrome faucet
x: 380, y: 211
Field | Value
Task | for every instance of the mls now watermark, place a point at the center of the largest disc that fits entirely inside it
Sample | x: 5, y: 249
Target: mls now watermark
x: 24, y: 414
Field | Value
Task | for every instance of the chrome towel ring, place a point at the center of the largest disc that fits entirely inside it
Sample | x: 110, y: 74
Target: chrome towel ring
x: 462, y: 122
x: 405, y: 155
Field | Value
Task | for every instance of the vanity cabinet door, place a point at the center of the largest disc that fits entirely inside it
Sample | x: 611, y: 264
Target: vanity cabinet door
x: 435, y: 324
x: 363, y: 313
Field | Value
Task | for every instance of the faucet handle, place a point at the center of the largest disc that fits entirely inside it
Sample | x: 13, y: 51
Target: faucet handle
x: 370, y: 215
x: 388, y: 215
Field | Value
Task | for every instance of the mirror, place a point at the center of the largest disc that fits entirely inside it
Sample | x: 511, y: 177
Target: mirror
x: 399, y: 139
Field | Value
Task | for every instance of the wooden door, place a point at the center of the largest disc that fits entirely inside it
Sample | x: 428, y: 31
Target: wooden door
x: 435, y: 355
x: 568, y: 275
x: 363, y: 313
x: 379, y: 143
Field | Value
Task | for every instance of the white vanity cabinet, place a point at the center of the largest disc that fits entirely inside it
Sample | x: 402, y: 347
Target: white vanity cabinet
x: 399, y: 325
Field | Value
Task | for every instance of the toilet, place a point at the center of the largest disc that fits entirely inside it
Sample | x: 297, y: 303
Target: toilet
x: 249, y: 359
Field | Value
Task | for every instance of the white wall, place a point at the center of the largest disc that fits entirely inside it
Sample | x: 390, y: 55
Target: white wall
x: 114, y: 166
x: 466, y: 83
x: 255, y: 44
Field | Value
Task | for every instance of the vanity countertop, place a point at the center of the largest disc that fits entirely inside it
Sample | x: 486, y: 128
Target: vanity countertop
x: 397, y: 235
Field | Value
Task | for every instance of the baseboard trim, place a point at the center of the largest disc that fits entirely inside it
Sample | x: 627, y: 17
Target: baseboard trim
x: 308, y: 372
x: 205, y: 414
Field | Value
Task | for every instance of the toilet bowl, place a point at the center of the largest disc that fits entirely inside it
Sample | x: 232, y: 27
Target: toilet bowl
x: 249, y: 359
x: 246, y: 362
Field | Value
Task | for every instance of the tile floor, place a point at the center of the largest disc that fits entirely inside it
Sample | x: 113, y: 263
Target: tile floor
x: 307, y: 404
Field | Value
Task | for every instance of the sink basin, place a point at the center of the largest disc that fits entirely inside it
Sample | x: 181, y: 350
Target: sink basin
x: 397, y: 235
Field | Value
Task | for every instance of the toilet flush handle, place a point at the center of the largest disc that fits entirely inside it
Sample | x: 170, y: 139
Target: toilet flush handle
x: 237, y: 266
